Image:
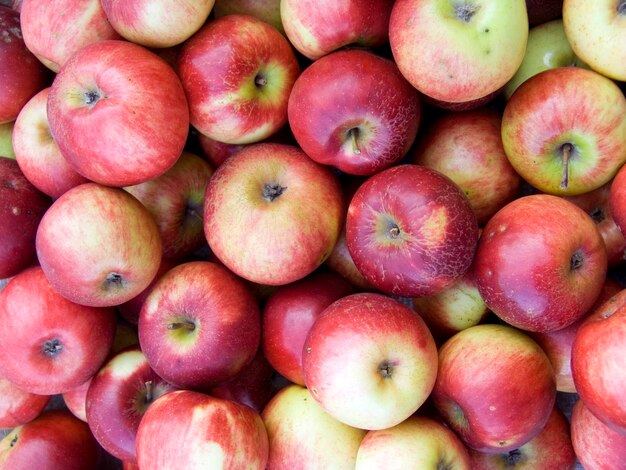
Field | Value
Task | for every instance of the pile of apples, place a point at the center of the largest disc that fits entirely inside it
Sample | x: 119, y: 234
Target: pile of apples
x: 312, y: 234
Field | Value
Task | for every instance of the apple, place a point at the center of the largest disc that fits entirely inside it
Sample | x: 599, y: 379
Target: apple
x: 51, y: 344
x: 551, y: 449
x: 36, y: 152
x: 266, y: 10
x: 6, y: 140
x: 417, y: 442
x: 56, y: 439
x: 561, y: 140
x: 288, y: 315
x: 593, y: 29
x: 341, y: 262
x: 495, y: 387
x: 467, y: 147
x: 75, y: 400
x: 271, y: 214
x: 540, y: 263
x: 118, y: 397
x: 318, y: 27
x: 18, y: 406
x: 353, y: 109
x: 302, y: 435
x: 411, y: 231
x: 22, y: 207
x: 157, y: 23
x: 217, y: 152
x: 93, y: 110
x: 22, y: 74
x: 458, y: 51
x: 251, y: 104
x: 369, y: 361
x: 199, y: 326
x: 596, y: 445
x: 175, y: 200
x: 617, y: 199
x: 186, y: 429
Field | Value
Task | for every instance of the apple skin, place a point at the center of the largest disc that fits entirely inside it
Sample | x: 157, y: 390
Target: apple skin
x: 52, y: 344
x: 261, y: 67
x: 341, y: 262
x: 56, y: 439
x: 458, y: 53
x: 271, y: 214
x: 22, y: 74
x: 353, y: 109
x: 617, y: 199
x: 302, y: 435
x: 98, y: 245
x: 75, y: 400
x: 467, y: 147
x: 597, y: 446
x: 158, y: 24
x: 538, y: 126
x: 6, y: 140
x: 199, y: 326
x: 598, y: 367
x: 318, y: 27
x: 551, y: 449
x: 22, y: 207
x: 266, y: 10
x: 488, y: 374
x: 417, y: 442
x: 186, y: 429
x: 117, y: 398
x: 386, y: 352
x: 54, y: 31
x: 93, y: 106
x: 217, y: 152
x: 17, y: 406
x: 37, y: 153
x: 555, y: 247
x: 411, y: 231
x: 288, y: 315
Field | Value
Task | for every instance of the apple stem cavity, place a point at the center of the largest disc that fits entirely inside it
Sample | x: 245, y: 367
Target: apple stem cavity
x: 513, y: 458
x: 566, y: 153
x: 272, y: 191
x: 465, y: 11
x: 187, y: 325
x: 52, y: 347
x: 353, y: 133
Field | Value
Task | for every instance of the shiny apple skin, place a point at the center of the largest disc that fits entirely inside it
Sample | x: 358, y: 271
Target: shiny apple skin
x: 17, y: 406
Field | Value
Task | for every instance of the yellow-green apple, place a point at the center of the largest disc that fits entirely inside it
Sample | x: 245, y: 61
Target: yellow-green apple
x: 94, y: 106
x: 288, y: 315
x: 467, y: 147
x: 411, y: 231
x: 353, y: 109
x: 237, y: 72
x: 271, y: 214
x: 199, y: 326
x: 6, y: 139
x: 18, y: 406
x: 302, y: 435
x: 598, y: 365
x: 191, y: 430
x: 596, y: 445
x: 176, y: 199
x: 56, y: 29
x: 563, y: 141
x: 98, y: 245
x: 118, y: 397
x: 455, y: 51
x: 52, y: 344
x: 598, y: 46
x: 55, y: 439
x: 22, y: 207
x: 547, y: 48
x: 495, y: 387
x: 318, y: 27
x: 266, y: 10
x: 542, y: 11
x: 22, y: 74
x: 416, y: 442
x: 157, y: 23
x: 551, y: 449
x: 540, y: 263
x: 388, y: 355
x: 37, y: 153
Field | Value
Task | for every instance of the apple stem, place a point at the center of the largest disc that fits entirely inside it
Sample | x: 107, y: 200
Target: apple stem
x: 354, y: 135
x: 386, y: 370
x: 566, y: 153
x: 187, y: 325
x: 194, y: 213
x: 260, y: 80
x: 149, y: 391
x: 394, y: 232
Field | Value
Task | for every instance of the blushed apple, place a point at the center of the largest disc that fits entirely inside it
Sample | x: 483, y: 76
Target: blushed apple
x: 18, y: 406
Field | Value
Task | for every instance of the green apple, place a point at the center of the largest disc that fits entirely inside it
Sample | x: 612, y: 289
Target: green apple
x: 266, y: 10
x: 6, y: 142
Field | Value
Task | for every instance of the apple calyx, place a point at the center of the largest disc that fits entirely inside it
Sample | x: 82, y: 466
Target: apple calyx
x: 52, y: 347
x: 394, y: 231
x: 386, y: 370
x: 113, y: 280
x: 91, y: 97
x: 353, y: 135
x: 465, y: 11
x: 13, y: 441
x: 621, y: 7
x: 576, y: 261
x: 185, y: 324
x: 260, y: 80
x: 566, y: 151
x: 272, y: 191
x: 598, y: 214
x: 513, y: 458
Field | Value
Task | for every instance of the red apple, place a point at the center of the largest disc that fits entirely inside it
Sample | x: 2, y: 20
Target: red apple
x: 540, y: 263
x: 22, y: 207
x: 18, y: 406
x: 260, y: 66
x: 186, y: 429
x: 411, y: 231
x: 76, y: 398
x: 369, y: 361
x: 271, y: 214
x: 93, y: 110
